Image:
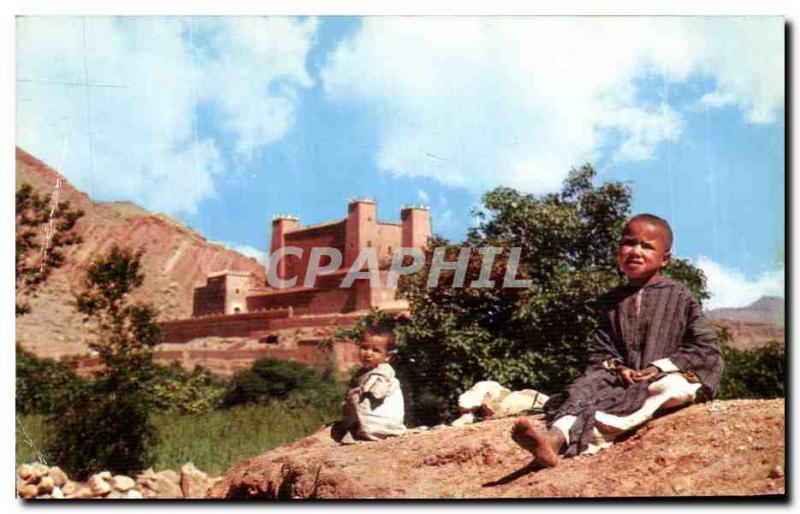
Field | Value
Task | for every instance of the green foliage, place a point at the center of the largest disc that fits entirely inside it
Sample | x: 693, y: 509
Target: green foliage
x: 34, y: 213
x: 756, y: 373
x: 525, y: 337
x: 173, y: 390
x: 43, y: 384
x: 214, y: 440
x: 108, y: 425
x: 273, y: 379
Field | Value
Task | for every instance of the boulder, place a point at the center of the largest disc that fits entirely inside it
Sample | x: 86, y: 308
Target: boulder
x: 194, y: 483
x: 25, y: 471
x: 27, y: 491
x: 46, y: 485
x: 164, y: 484
x: 98, y: 485
x: 122, y: 483
x: 59, y: 477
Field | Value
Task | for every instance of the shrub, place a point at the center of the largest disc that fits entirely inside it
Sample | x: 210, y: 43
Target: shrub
x: 175, y: 391
x: 274, y: 379
x: 757, y: 373
x: 43, y: 384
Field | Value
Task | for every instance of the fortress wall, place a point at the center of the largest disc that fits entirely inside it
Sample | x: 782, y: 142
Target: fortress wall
x: 254, y: 325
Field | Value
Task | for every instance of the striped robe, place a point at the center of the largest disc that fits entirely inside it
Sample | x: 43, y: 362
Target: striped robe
x: 664, y: 322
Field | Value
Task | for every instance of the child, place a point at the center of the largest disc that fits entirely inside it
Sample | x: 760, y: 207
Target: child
x: 373, y: 407
x: 653, y: 349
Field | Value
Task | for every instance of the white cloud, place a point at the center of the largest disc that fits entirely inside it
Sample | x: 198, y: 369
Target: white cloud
x: 730, y: 288
x: 144, y: 139
x: 477, y: 102
x: 248, y: 251
x: 423, y: 196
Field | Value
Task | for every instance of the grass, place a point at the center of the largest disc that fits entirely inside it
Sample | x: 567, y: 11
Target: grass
x: 213, y: 441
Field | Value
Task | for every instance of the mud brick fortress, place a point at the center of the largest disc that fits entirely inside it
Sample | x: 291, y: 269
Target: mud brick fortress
x: 236, y: 304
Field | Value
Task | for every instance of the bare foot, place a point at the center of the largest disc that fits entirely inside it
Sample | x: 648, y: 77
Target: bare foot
x: 536, y: 441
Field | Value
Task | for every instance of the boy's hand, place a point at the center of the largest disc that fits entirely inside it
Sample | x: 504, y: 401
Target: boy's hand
x: 627, y: 374
x: 645, y: 374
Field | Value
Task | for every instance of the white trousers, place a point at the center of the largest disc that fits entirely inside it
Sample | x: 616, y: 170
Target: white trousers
x: 670, y: 391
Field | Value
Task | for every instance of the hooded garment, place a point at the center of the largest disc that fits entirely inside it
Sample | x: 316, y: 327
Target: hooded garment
x: 638, y: 326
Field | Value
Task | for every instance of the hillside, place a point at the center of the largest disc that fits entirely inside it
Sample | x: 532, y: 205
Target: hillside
x: 176, y: 260
x: 765, y: 310
x: 721, y: 448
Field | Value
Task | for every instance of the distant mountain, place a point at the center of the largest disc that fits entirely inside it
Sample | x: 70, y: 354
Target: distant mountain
x: 768, y: 310
x: 176, y: 260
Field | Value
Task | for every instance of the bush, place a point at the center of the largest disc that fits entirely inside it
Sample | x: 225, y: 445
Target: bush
x: 758, y: 373
x: 273, y: 379
x: 105, y: 427
x: 176, y: 391
x: 43, y: 384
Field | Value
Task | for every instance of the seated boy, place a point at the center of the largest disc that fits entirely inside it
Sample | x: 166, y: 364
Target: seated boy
x: 653, y: 348
x: 373, y: 408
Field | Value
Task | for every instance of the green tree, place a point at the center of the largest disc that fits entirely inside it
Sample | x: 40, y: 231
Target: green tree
x: 43, y: 230
x: 526, y: 337
x: 108, y: 425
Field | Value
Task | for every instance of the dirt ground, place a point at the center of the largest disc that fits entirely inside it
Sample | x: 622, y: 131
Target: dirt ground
x: 730, y: 448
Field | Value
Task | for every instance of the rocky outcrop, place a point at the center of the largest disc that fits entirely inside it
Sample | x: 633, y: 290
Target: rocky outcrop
x: 719, y: 448
x: 40, y: 482
x: 176, y: 260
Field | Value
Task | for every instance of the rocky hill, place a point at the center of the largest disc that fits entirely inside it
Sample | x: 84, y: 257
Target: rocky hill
x: 176, y: 260
x: 755, y: 325
x: 727, y: 448
x: 765, y: 310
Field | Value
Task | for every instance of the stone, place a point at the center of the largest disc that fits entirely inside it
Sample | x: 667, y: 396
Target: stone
x: 46, y: 485
x: 164, y: 484
x: 69, y: 488
x: 133, y: 494
x: 57, y: 493
x: 82, y: 492
x: 105, y: 475
x: 38, y: 470
x: 194, y: 483
x: 27, y: 491
x: 466, y: 419
x: 98, y: 486
x: 115, y: 495
x: 25, y: 471
x: 122, y: 483
x: 59, y: 477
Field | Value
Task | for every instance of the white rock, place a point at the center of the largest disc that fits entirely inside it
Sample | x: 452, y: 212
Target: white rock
x: 133, y: 494
x: 122, y: 483
x: 98, y: 486
x: 25, y: 471
x: 465, y: 419
x: 46, y: 485
x: 57, y: 493
x: 59, y: 477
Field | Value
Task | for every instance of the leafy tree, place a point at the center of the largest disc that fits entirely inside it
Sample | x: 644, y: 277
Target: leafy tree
x: 43, y: 231
x: 756, y: 373
x: 44, y: 384
x: 108, y: 425
x: 522, y: 337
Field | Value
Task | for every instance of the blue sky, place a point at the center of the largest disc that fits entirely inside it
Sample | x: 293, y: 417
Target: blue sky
x: 221, y: 122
